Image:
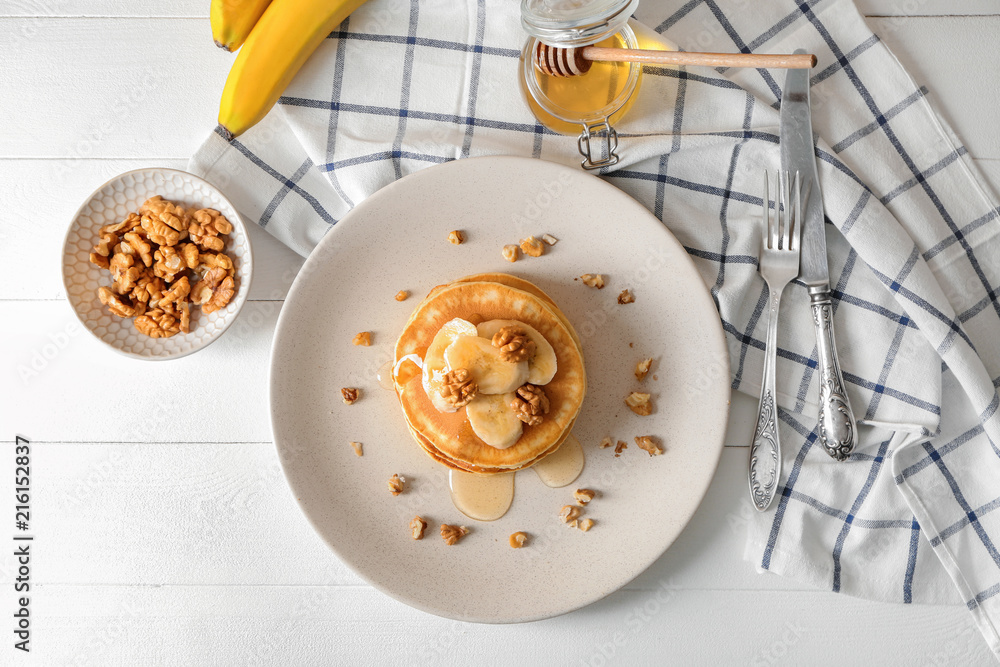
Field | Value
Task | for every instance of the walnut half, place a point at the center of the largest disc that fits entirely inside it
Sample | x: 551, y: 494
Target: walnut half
x: 529, y: 404
x: 452, y: 534
x: 593, y: 280
x: 350, y: 394
x: 458, y: 388
x: 417, y: 528
x: 514, y: 344
x: 511, y: 253
x: 583, y: 496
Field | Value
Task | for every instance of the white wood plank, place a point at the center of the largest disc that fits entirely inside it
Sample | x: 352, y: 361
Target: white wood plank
x: 201, y: 625
x: 34, y: 219
x: 45, y: 9
x: 199, y: 8
x: 109, y: 87
x: 62, y: 384
x: 953, y: 57
x: 164, y: 512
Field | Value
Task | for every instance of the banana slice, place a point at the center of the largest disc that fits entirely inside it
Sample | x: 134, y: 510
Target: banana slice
x: 489, y: 370
x: 542, y: 368
x: 492, y: 419
x: 434, y: 363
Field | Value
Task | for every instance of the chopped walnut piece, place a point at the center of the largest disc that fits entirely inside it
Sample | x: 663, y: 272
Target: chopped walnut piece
x: 205, y: 229
x: 569, y: 513
x: 100, y: 260
x: 363, y: 338
x: 620, y: 447
x: 456, y: 237
x: 642, y: 368
x: 185, y: 312
x: 160, y: 232
x: 130, y: 221
x: 529, y: 404
x: 168, y: 263
x: 417, y: 527
x: 220, y: 296
x: 458, y: 388
x: 350, y: 394
x: 626, y: 297
x: 532, y: 247
x: 647, y: 444
x: 551, y: 240
x: 189, y: 253
x: 514, y: 344
x: 166, y: 212
x: 593, y: 280
x: 115, y: 303
x: 140, y: 246
x: 179, y: 290
x: 155, y: 324
x: 518, y: 539
x: 607, y: 442
x: 396, y: 484
x: 639, y: 403
x: 452, y: 534
x: 108, y: 242
x: 586, y: 524
x: 402, y: 295
x: 583, y: 496
x: 358, y: 448
x: 511, y: 253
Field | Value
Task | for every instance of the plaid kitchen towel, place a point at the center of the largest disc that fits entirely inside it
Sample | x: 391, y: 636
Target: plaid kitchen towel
x: 913, y: 246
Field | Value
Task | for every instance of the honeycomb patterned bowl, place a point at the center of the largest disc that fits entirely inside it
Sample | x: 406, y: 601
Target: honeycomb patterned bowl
x: 112, y: 202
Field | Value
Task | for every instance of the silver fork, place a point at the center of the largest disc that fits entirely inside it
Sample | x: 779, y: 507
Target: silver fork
x: 779, y: 264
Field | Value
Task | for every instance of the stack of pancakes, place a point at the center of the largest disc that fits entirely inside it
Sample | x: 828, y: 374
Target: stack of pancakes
x: 447, y: 436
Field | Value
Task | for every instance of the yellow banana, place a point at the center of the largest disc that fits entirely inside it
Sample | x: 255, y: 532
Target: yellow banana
x: 283, y: 39
x: 232, y: 21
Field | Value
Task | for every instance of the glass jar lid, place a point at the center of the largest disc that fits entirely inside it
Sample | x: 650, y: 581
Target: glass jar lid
x: 574, y: 22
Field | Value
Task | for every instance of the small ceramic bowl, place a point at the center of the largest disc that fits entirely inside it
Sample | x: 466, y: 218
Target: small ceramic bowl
x: 111, y: 203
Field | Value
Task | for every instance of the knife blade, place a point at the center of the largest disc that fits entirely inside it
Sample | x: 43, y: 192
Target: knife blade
x: 837, y: 426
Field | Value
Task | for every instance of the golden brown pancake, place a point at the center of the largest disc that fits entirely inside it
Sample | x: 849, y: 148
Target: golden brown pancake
x: 448, y: 437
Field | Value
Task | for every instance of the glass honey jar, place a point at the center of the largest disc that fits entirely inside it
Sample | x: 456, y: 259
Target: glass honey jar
x: 587, y: 104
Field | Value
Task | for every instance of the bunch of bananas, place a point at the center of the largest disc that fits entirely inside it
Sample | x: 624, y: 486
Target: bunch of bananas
x: 279, y: 37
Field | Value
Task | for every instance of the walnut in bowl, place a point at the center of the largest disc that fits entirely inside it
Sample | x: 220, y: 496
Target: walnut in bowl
x: 140, y: 272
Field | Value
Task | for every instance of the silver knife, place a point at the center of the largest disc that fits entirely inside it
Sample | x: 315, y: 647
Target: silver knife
x: 837, y: 428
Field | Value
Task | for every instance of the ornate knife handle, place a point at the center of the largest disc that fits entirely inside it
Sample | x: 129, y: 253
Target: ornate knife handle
x: 765, y: 451
x: 837, y: 428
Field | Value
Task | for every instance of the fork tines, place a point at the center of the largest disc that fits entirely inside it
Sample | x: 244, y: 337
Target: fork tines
x: 783, y: 231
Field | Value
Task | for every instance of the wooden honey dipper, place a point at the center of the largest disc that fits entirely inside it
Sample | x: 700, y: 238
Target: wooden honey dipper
x: 559, y: 61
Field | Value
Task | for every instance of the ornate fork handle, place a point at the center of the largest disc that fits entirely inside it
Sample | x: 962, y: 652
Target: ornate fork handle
x: 837, y: 428
x: 765, y: 451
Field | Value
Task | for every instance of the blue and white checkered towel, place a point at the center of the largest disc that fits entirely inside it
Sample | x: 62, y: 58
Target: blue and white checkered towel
x: 914, y: 247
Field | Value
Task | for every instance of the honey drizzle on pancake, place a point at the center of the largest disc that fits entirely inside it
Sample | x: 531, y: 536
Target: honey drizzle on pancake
x: 481, y: 497
x: 563, y: 466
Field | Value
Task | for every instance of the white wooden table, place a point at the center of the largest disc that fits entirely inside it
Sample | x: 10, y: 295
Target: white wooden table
x: 165, y: 532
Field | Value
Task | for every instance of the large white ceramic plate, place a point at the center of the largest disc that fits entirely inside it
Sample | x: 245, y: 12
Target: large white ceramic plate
x: 397, y: 240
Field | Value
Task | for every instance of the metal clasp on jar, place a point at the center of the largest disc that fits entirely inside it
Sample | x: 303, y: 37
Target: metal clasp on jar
x: 607, y: 144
